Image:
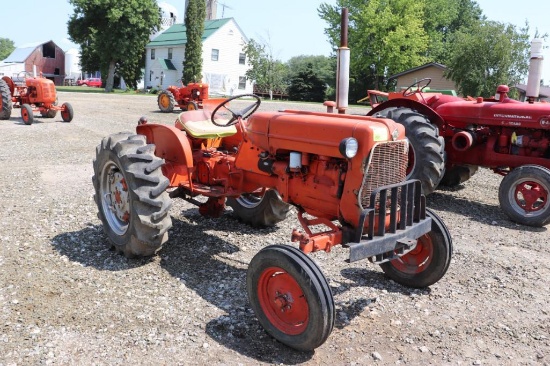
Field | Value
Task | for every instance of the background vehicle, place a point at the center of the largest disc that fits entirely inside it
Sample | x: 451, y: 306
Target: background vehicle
x: 345, y: 174
x: 188, y: 97
x: 36, y: 94
x: 451, y: 137
x: 92, y: 82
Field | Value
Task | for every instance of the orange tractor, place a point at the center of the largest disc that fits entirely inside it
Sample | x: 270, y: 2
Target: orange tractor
x: 345, y: 175
x: 187, y: 98
x: 35, y: 94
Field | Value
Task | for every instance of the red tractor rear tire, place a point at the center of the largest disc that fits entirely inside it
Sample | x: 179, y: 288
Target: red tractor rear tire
x: 5, y: 100
x: 427, y: 153
x: 130, y: 193
x: 265, y: 209
x: 524, y: 195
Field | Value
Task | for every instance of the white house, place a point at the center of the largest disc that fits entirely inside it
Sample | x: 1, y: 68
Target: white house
x: 224, y: 62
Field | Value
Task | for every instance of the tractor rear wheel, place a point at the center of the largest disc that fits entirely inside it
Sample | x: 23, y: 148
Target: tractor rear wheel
x: 523, y: 195
x: 428, y: 262
x: 130, y: 193
x: 5, y: 100
x: 290, y: 297
x: 457, y: 174
x: 427, y: 152
x: 265, y: 208
x: 166, y: 101
x: 27, y: 114
x: 191, y: 106
x: 49, y: 113
x: 67, y: 112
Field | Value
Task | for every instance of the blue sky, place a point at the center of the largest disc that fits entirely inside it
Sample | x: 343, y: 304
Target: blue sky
x: 292, y: 27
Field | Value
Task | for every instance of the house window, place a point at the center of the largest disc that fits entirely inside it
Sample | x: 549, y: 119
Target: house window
x: 150, y: 75
x: 242, y: 82
x: 152, y: 53
x: 215, y: 54
x: 169, y: 53
x: 242, y: 58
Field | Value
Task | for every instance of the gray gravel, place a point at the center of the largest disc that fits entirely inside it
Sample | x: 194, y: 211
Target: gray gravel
x: 67, y: 299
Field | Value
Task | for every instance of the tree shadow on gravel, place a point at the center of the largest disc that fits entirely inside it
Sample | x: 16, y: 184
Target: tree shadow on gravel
x: 476, y: 211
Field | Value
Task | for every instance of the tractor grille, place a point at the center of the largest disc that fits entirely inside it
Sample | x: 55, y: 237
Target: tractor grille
x: 387, y: 165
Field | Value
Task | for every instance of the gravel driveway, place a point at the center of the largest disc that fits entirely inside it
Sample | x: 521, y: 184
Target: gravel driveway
x: 67, y: 299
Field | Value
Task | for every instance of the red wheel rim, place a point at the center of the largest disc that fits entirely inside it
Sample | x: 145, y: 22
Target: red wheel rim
x: 164, y: 101
x: 418, y: 259
x: 530, y: 196
x: 282, y: 301
x: 25, y: 115
x: 65, y: 114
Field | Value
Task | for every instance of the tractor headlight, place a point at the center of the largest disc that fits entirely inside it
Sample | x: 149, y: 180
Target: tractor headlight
x: 349, y: 147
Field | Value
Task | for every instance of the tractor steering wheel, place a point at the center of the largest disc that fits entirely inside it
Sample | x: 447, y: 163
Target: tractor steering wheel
x: 410, y: 91
x: 235, y: 115
x: 26, y: 75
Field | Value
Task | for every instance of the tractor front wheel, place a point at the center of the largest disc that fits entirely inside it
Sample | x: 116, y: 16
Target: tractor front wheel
x: 265, y: 208
x: 290, y: 297
x: 130, y: 193
x: 5, y: 100
x: 427, y: 151
x: 67, y: 112
x: 166, y: 101
x: 523, y: 195
x: 27, y: 114
x: 428, y: 262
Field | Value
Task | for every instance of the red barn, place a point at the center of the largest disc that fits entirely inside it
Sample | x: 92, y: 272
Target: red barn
x: 46, y: 58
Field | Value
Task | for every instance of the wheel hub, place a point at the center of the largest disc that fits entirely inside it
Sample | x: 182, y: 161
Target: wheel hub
x: 530, y: 196
x: 119, y: 192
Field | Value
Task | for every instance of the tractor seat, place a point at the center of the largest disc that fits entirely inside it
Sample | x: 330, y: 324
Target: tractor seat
x: 197, y: 123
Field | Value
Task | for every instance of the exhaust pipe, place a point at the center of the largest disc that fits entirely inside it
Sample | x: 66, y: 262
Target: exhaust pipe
x: 463, y: 140
x: 535, y: 70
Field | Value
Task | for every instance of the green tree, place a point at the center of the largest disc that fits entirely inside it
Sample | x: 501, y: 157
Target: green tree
x: 442, y: 18
x: 386, y: 37
x: 323, y: 67
x: 268, y: 74
x: 307, y: 86
x: 486, y: 55
x: 112, y: 36
x: 6, y: 48
x: 194, y: 28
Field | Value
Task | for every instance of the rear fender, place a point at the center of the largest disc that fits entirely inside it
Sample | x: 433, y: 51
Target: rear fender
x: 432, y: 115
x: 173, y: 146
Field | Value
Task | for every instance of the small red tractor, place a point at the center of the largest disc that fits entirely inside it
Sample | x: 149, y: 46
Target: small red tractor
x: 451, y: 137
x: 34, y: 94
x: 345, y: 175
x: 187, y: 98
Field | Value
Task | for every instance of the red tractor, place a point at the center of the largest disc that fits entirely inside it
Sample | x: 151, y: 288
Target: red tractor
x: 34, y: 94
x: 345, y: 175
x: 187, y: 98
x: 451, y: 137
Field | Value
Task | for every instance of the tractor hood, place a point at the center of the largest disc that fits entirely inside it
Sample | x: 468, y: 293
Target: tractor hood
x: 318, y: 133
x: 508, y: 112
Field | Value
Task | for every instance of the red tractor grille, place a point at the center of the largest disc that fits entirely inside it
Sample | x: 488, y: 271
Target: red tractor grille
x: 387, y: 165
